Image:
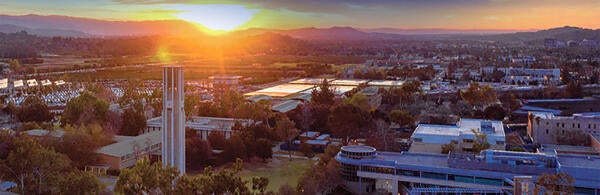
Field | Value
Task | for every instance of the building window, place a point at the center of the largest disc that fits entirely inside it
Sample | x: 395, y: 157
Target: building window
x: 547, y: 132
x: 557, y: 125
x: 563, y: 131
x: 578, y: 125
x: 563, y: 124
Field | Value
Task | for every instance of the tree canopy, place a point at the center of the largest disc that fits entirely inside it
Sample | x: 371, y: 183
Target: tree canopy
x: 347, y: 120
x: 479, y: 95
x: 34, y: 109
x: 84, y: 110
x: 324, y: 94
x: 133, y: 122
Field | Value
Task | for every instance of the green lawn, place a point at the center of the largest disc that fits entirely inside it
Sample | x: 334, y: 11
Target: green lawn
x: 279, y: 172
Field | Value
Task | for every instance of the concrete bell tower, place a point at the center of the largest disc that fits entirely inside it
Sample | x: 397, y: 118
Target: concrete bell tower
x: 173, y: 117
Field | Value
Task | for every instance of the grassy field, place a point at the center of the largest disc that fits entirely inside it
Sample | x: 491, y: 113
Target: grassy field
x: 279, y: 172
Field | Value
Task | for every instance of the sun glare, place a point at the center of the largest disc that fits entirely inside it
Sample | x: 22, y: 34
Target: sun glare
x: 217, y: 17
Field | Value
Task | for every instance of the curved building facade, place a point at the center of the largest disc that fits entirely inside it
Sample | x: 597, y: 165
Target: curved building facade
x: 365, y: 170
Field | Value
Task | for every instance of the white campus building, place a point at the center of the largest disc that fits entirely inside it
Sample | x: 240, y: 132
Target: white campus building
x: 429, y: 138
x: 546, y: 128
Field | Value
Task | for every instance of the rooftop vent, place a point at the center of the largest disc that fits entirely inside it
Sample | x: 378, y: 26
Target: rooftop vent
x: 486, y: 127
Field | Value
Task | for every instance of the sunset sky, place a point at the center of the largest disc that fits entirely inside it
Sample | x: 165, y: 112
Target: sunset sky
x: 285, y: 14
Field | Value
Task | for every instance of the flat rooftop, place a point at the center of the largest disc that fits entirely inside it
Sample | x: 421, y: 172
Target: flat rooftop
x: 584, y: 115
x: 386, y: 83
x: 358, y: 148
x: 203, y: 123
x: 443, y: 134
x: 338, y: 89
x: 127, y: 145
x: 560, y: 100
x: 349, y: 82
x: 286, y: 106
x: 282, y: 90
x: 568, y: 149
x: 311, y: 81
x: 584, y: 169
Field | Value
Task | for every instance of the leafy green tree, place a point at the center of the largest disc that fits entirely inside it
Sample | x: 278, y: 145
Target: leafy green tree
x: 79, y: 182
x: 84, y: 110
x: 264, y: 148
x: 188, y: 184
x: 560, y: 183
x: 324, y: 94
x: 318, y: 117
x: 573, y: 90
x: 258, y: 111
x: 34, y: 109
x: 411, y: 87
x: 155, y: 100
x: 347, y: 120
x: 494, y: 112
x: 259, y: 184
x: 286, y: 130
x: 133, y: 123
x: 402, y: 117
x: 359, y: 100
x: 447, y: 148
x: 209, y: 109
x: 480, y: 142
x: 145, y: 178
x: 197, y: 152
x: 80, y: 147
x: 190, y: 103
x: 234, y: 148
x: 102, y: 92
x: 509, y: 102
x: 11, y: 109
x: 225, y: 181
x: 324, y: 176
x: 131, y: 96
x: 216, y: 140
x: 6, y: 145
x: 479, y: 95
x: 35, y: 168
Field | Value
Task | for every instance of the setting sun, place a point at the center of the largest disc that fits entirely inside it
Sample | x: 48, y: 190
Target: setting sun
x: 216, y: 17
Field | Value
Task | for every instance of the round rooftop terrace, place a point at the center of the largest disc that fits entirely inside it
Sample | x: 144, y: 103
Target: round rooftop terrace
x: 358, y: 152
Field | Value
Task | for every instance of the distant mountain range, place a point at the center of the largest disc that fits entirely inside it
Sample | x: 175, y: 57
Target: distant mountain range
x: 41, y: 24
x: 85, y: 27
x: 562, y: 33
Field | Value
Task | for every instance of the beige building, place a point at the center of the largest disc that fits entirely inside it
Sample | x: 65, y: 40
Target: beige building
x: 429, y: 138
x: 128, y: 149
x: 546, y: 128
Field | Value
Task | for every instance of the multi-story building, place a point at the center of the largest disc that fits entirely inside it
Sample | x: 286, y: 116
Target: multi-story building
x: 546, y: 128
x: 430, y: 138
x: 202, y: 125
x: 128, y: 149
x: 365, y: 170
x: 526, y: 75
x: 223, y: 83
